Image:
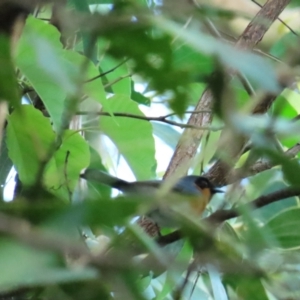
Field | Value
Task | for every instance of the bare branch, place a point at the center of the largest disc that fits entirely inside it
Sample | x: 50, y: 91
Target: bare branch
x: 260, y: 24
x: 223, y: 215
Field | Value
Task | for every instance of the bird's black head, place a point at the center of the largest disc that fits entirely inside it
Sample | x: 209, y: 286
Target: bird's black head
x: 203, y: 183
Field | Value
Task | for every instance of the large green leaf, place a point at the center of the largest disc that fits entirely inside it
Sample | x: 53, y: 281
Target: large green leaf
x: 29, y: 138
x: 285, y: 228
x: 92, y: 88
x: 53, y: 72
x: 40, y: 58
x: 132, y: 137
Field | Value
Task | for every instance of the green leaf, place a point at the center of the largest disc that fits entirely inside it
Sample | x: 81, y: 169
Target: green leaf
x: 40, y: 57
x: 283, y: 107
x: 139, y: 97
x: 53, y: 72
x: 253, y: 66
x: 8, y: 83
x: 151, y: 56
x: 196, y: 64
x: 247, y: 288
x: 87, y: 40
x: 132, y: 137
x: 92, y: 88
x: 285, y: 228
x: 62, y: 171
x: 29, y: 139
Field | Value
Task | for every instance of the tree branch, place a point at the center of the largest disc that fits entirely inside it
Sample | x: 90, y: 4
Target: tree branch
x: 258, y: 167
x: 225, y: 214
x: 280, y: 20
x: 252, y: 35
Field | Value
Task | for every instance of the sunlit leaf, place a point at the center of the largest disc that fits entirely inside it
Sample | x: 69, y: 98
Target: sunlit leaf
x: 40, y: 58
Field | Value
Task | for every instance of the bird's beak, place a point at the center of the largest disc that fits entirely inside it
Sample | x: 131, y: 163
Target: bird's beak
x: 215, y: 190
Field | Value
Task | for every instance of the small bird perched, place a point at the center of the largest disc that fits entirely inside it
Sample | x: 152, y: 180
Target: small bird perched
x: 191, y: 194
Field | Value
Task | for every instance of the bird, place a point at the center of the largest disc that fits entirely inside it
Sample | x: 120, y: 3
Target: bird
x: 190, y: 194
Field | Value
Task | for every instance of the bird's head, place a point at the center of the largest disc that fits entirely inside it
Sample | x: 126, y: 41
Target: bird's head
x: 206, y: 187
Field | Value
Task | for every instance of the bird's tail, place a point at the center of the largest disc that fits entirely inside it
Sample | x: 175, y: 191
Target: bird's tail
x: 102, y: 177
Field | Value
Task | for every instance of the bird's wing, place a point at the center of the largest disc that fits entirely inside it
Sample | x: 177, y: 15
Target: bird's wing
x: 104, y: 178
x: 138, y: 187
x: 144, y: 187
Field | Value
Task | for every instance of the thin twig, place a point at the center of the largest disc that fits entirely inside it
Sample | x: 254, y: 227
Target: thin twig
x: 226, y: 214
x: 177, y: 294
x: 66, y: 175
x: 156, y: 119
x: 107, y: 72
x: 195, y: 284
x: 117, y: 80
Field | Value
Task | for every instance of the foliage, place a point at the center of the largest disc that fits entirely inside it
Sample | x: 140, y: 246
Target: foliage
x: 122, y: 57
